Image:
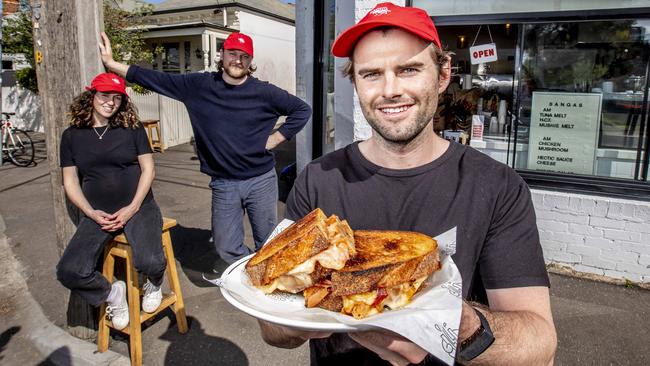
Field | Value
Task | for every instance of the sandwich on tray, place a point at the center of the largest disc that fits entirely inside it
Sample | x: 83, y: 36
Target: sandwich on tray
x: 303, y: 254
x: 388, y: 269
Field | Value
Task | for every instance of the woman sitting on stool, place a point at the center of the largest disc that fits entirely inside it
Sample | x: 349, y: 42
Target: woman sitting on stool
x: 108, y: 169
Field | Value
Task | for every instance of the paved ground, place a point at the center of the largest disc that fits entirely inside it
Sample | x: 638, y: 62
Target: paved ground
x: 598, y: 324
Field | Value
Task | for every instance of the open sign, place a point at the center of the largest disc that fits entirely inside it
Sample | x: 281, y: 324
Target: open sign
x: 483, y: 53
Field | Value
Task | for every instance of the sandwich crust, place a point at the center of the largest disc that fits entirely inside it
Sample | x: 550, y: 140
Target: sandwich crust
x: 322, y: 298
x: 299, y: 242
x: 302, y: 254
x: 385, y: 259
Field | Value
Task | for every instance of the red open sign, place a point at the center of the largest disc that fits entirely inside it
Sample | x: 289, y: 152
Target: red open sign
x: 483, y: 53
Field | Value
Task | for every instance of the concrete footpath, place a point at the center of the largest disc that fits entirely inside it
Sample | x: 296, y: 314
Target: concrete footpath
x: 598, y: 324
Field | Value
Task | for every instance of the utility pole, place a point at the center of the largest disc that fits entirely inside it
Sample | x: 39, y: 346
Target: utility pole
x: 67, y: 57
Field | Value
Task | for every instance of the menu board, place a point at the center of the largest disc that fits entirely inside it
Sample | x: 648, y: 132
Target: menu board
x: 563, y: 132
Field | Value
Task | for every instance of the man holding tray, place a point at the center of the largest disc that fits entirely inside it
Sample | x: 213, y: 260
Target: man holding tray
x: 406, y: 178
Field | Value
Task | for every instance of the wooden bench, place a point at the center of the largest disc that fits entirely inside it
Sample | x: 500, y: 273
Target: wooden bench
x: 119, y: 247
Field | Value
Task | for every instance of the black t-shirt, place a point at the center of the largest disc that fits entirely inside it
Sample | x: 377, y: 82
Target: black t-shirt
x: 497, y: 243
x: 108, y: 168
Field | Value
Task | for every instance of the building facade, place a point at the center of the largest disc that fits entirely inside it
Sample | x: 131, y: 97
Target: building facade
x: 558, y: 90
x: 190, y: 34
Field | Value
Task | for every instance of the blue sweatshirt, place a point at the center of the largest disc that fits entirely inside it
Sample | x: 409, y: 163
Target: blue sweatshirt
x: 231, y: 123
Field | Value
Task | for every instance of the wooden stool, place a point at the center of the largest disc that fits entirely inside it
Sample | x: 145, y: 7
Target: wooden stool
x: 119, y: 247
x: 150, y: 125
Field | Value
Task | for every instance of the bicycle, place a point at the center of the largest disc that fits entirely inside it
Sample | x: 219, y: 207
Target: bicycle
x: 16, y: 143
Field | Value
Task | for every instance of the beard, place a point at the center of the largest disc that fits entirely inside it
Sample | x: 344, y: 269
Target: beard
x: 235, y: 72
x: 404, y: 132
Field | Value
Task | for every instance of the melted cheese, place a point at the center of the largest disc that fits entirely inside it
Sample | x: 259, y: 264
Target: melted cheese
x: 298, y: 278
x: 360, y: 305
x: 333, y: 257
x: 293, y: 283
x: 401, y: 295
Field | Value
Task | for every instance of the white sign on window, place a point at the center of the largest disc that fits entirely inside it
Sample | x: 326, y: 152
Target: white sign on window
x: 564, y: 132
x: 483, y: 53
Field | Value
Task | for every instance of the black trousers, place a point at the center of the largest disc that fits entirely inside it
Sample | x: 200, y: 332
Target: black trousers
x: 77, y: 267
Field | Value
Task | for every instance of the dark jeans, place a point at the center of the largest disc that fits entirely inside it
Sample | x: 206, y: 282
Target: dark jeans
x: 258, y: 196
x: 77, y: 267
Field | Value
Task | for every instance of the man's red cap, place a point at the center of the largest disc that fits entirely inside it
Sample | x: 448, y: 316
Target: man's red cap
x: 108, y: 82
x: 239, y: 41
x: 413, y: 20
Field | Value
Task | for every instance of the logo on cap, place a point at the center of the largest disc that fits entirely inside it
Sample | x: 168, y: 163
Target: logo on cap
x: 241, y: 40
x: 380, y: 11
x: 116, y: 81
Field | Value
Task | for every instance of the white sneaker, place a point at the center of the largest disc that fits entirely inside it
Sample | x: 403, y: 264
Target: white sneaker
x: 118, y: 312
x: 152, y: 297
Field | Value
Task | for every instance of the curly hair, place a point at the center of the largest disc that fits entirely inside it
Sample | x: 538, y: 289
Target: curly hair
x: 80, y: 112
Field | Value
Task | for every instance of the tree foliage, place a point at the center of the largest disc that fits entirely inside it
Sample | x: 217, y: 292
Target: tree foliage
x: 124, y: 29
x: 17, y: 38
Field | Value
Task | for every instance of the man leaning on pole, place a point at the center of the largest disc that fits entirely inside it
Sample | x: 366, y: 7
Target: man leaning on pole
x: 233, y: 115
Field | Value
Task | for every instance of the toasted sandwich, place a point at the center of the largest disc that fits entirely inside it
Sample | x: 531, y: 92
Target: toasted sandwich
x: 302, y: 254
x: 388, y: 269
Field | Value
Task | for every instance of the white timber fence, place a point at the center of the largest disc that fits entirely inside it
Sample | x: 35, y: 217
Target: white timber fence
x: 172, y: 114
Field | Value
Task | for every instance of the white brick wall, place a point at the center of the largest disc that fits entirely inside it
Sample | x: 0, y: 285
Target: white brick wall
x: 598, y: 235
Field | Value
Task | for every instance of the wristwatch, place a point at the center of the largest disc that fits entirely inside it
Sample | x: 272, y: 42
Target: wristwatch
x: 478, y: 342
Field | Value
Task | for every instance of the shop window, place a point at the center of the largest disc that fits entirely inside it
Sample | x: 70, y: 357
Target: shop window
x: 324, y: 72
x: 482, y: 90
x: 581, y: 97
x: 562, y: 97
x: 328, y: 80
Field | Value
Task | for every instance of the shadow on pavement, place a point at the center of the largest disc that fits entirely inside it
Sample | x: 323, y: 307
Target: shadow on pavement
x: 197, y: 348
x: 60, y: 356
x: 196, y: 254
x: 5, y: 337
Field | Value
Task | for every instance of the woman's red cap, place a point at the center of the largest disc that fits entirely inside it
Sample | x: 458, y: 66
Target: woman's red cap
x: 108, y: 82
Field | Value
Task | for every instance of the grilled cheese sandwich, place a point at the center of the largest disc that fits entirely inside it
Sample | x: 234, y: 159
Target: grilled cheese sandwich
x: 289, y: 261
x: 389, y: 269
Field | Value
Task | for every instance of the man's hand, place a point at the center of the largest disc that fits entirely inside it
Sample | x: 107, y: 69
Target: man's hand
x: 274, y: 140
x: 107, y: 57
x: 284, y: 337
x: 391, y: 347
x: 469, y: 322
x: 120, y: 218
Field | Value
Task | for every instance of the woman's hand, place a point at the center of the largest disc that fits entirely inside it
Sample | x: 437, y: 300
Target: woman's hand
x: 120, y: 218
x: 391, y: 347
x: 100, y: 217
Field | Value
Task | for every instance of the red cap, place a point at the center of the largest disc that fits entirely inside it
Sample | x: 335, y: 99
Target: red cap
x: 239, y: 41
x: 414, y: 20
x: 108, y: 82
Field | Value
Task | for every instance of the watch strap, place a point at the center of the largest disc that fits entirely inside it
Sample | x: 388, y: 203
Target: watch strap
x: 478, y: 342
